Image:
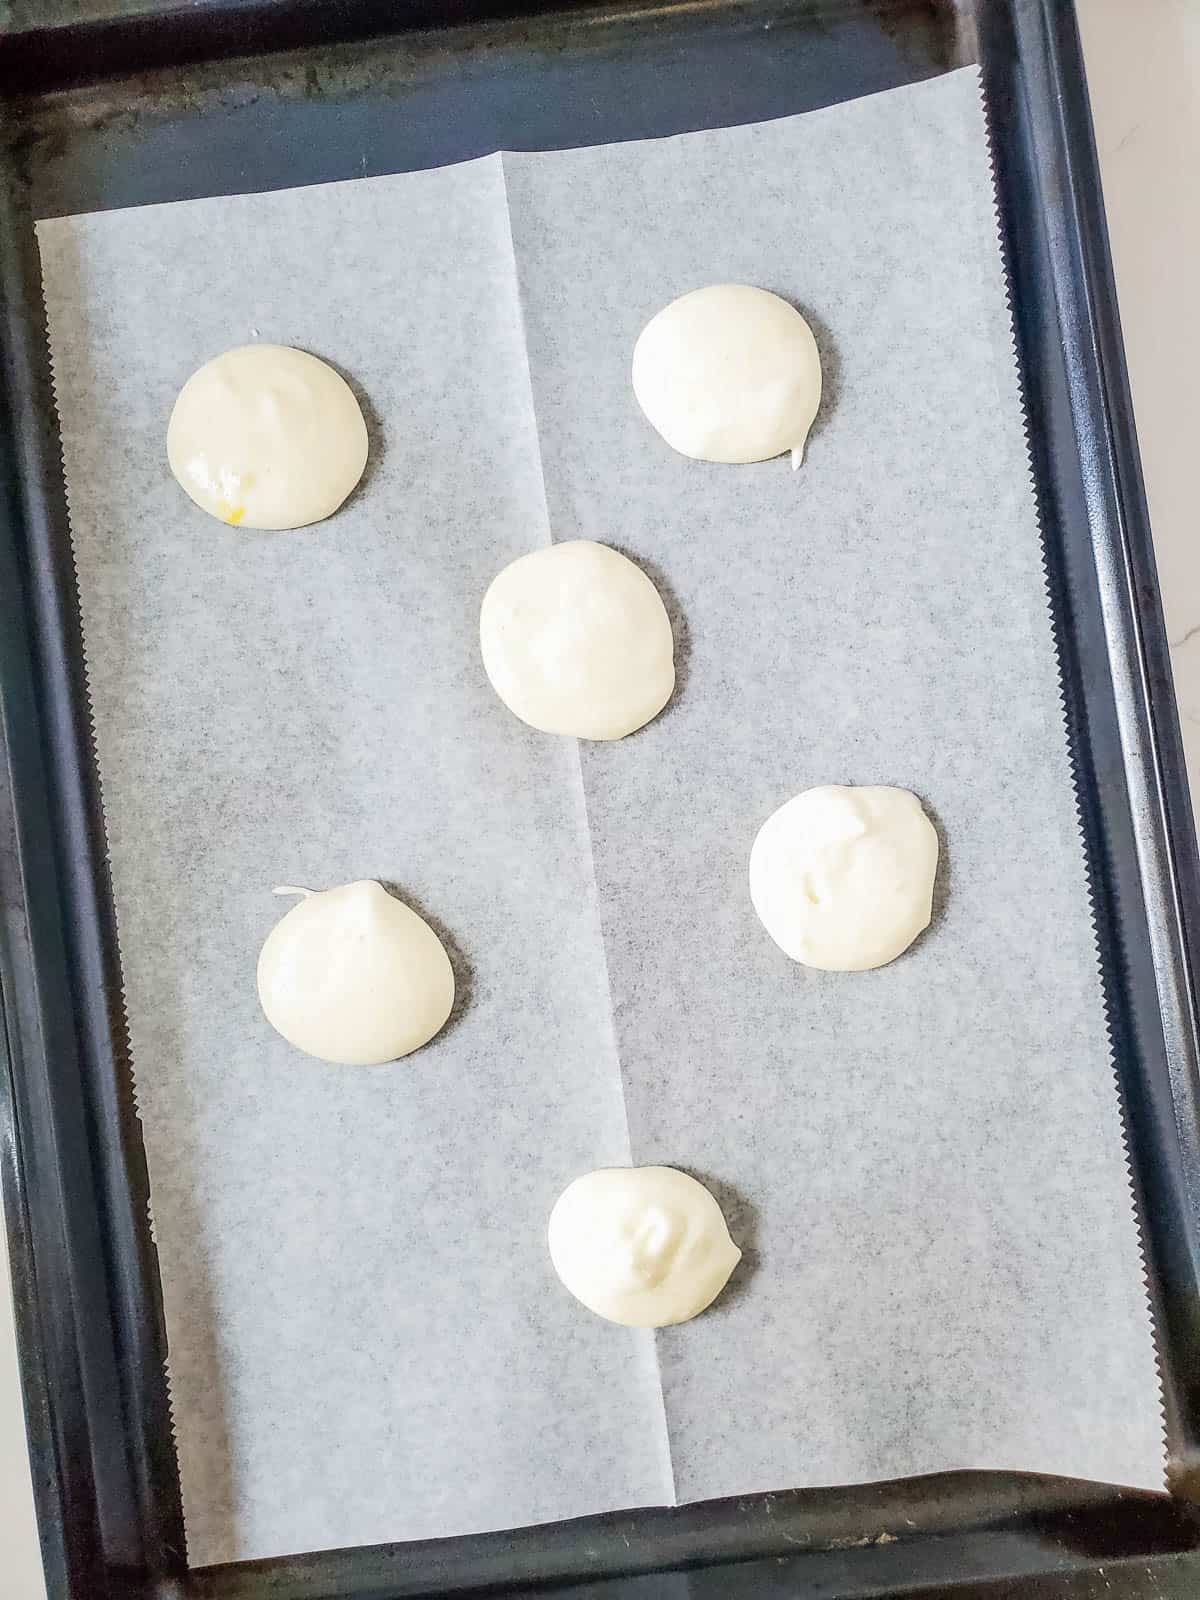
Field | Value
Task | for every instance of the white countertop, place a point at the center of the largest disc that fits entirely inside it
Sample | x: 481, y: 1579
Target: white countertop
x: 1144, y: 77
x: 1143, y: 60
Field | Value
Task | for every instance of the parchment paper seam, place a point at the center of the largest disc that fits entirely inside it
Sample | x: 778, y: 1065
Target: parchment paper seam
x: 582, y: 802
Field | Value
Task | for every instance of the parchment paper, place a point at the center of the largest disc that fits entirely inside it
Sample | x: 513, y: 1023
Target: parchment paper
x: 924, y: 1164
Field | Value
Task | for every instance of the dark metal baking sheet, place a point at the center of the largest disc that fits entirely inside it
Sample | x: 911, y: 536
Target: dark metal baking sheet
x: 78, y: 138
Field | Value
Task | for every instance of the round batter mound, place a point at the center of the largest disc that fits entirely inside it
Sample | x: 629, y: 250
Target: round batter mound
x: 352, y: 975
x: 576, y: 640
x: 643, y: 1246
x: 729, y: 373
x: 842, y: 878
x: 267, y: 437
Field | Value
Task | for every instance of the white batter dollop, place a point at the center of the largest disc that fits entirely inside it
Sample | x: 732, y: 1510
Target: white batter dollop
x: 729, y: 373
x: 576, y: 640
x: 353, y: 975
x: 842, y: 878
x: 643, y: 1246
x: 265, y: 436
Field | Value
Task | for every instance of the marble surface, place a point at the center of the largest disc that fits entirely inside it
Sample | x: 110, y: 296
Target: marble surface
x: 1143, y: 61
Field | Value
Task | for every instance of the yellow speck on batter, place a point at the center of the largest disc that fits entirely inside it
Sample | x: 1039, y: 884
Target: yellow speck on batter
x: 229, y: 513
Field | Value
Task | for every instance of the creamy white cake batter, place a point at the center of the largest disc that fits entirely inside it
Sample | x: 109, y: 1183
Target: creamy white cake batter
x: 842, y: 878
x: 729, y: 373
x: 576, y: 640
x: 643, y: 1246
x: 354, y: 976
x: 265, y: 436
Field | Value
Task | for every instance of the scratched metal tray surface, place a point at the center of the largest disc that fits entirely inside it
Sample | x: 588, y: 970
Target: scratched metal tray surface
x: 124, y: 102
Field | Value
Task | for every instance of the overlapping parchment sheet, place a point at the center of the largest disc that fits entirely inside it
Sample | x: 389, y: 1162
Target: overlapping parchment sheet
x: 924, y: 1164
